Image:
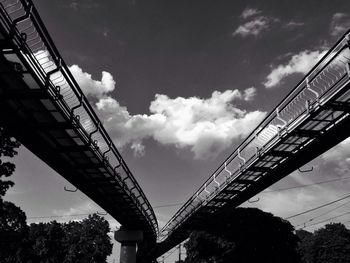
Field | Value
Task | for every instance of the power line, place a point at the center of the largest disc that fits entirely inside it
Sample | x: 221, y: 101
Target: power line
x: 320, y: 222
x: 177, y: 204
x: 318, y: 207
x: 325, y: 213
x: 276, y: 190
x: 57, y: 216
x: 169, y: 205
x: 306, y: 185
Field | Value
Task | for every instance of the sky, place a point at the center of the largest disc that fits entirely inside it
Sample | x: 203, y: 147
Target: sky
x: 178, y: 85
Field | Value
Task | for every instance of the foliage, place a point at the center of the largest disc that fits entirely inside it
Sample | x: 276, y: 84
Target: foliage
x: 88, y: 241
x: 13, y: 227
x: 329, y: 244
x: 305, y: 246
x: 85, y: 241
x: 8, y: 147
x: 244, y: 235
x: 46, y: 240
x: 13, y: 233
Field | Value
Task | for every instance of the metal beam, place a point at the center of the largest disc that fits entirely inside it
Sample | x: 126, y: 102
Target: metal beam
x: 259, y: 169
x: 244, y: 181
x: 306, y: 133
x: 34, y: 94
x: 338, y: 106
x: 277, y: 153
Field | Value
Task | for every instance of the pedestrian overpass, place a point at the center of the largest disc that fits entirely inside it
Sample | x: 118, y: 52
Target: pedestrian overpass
x: 43, y: 105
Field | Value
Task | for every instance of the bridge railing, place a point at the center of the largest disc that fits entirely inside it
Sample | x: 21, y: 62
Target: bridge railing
x: 22, y: 23
x: 313, y: 90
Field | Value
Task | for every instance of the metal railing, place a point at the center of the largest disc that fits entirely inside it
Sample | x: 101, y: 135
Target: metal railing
x: 313, y: 90
x: 24, y: 26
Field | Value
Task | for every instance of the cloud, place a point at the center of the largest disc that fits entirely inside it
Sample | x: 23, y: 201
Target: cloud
x: 90, y: 87
x: 294, y: 24
x: 77, y: 211
x: 249, y: 94
x: 299, y: 63
x: 78, y: 4
x: 340, y: 24
x: 339, y: 157
x: 138, y: 148
x: 248, y: 12
x: 205, y: 126
x: 253, y: 27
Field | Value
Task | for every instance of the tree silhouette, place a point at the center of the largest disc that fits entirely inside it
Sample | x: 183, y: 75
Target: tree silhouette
x: 83, y: 241
x: 244, y: 235
x: 8, y: 146
x: 13, y: 227
x: 13, y: 233
x: 88, y: 241
x: 330, y: 244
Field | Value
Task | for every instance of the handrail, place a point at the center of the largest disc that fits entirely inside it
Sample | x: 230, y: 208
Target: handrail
x: 295, y: 105
x: 22, y: 21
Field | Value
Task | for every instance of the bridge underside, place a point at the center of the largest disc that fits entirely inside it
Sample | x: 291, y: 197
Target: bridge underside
x: 46, y: 110
x: 36, y: 120
x: 325, y: 127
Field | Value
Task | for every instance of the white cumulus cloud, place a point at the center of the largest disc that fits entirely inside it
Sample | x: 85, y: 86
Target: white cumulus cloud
x: 91, y: 87
x: 299, y: 63
x: 205, y: 126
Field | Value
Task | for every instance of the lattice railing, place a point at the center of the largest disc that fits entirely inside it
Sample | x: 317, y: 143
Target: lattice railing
x: 23, y: 26
x: 314, y: 89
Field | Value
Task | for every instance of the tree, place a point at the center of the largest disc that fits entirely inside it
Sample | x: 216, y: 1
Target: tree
x: 47, y: 241
x: 85, y: 241
x: 305, y: 246
x: 88, y: 241
x: 13, y: 233
x: 8, y: 146
x: 13, y: 227
x: 244, y: 235
x: 330, y: 244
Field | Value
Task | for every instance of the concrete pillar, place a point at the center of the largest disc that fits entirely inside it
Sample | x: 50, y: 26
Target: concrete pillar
x: 128, y: 240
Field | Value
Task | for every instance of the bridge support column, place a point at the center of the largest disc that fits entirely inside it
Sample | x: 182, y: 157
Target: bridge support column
x: 128, y: 240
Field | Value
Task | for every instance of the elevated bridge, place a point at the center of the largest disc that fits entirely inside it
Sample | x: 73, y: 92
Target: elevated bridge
x: 44, y: 107
x: 312, y: 118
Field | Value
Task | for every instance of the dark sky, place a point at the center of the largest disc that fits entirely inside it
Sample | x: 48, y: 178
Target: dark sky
x: 185, y: 50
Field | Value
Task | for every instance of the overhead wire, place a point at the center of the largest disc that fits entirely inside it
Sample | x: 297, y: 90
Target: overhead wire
x: 275, y: 190
x: 306, y: 185
x: 325, y: 213
x: 56, y: 216
x: 326, y: 220
x: 318, y: 207
x: 177, y: 204
x: 168, y: 205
